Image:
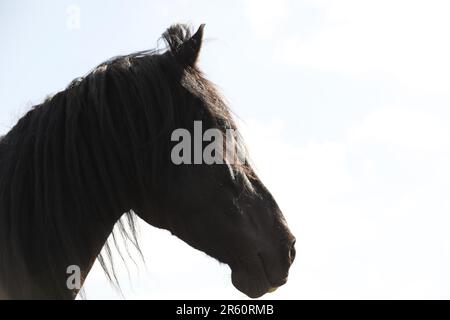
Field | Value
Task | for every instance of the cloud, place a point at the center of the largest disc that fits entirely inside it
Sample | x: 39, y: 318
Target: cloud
x: 403, y: 127
x: 266, y: 16
x: 369, y: 210
x: 400, y: 41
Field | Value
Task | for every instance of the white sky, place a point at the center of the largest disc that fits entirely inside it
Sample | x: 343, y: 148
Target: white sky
x: 345, y: 106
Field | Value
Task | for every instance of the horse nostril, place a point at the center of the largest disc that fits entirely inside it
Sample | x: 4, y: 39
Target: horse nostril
x: 292, y: 252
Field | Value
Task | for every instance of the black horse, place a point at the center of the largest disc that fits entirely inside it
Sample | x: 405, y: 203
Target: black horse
x: 75, y: 164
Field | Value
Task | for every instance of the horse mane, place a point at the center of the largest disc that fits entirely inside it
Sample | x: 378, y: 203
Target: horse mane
x: 65, y: 165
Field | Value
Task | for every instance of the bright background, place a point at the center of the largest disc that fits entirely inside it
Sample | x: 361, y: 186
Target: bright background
x: 345, y: 107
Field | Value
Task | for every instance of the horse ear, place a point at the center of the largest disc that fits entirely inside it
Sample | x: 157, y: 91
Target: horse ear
x: 184, y: 47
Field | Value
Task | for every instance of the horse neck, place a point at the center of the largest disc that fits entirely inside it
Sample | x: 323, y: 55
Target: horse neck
x: 3, y: 295
x: 18, y: 280
x: 31, y: 288
x: 24, y: 263
x: 19, y: 276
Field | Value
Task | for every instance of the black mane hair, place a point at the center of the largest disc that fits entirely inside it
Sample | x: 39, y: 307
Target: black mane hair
x: 90, y: 152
